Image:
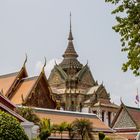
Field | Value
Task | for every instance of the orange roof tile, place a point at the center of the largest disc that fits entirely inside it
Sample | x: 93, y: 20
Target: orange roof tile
x: 6, y: 81
x: 57, y: 117
x: 128, y: 136
x: 23, y: 90
x: 135, y: 114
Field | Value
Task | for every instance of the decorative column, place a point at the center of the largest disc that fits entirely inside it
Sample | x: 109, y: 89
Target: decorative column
x: 100, y: 114
x: 106, y: 117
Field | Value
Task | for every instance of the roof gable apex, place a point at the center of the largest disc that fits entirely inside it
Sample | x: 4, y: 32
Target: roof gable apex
x: 21, y: 74
x: 123, y: 119
x: 41, y: 76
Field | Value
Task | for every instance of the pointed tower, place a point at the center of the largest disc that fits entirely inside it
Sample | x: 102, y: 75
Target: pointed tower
x: 70, y: 60
x: 73, y: 85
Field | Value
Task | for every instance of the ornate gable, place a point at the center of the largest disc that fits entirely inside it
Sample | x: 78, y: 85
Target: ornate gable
x: 41, y: 95
x: 124, y: 120
x: 56, y: 78
x: 102, y: 93
x: 85, y: 77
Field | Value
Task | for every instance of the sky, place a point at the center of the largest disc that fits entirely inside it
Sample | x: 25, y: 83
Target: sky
x: 40, y: 28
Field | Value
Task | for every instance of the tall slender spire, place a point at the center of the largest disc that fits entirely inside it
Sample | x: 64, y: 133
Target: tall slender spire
x: 70, y: 33
x: 70, y: 55
x: 70, y: 50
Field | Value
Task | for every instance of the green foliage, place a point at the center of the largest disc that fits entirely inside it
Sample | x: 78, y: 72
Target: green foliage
x: 45, y: 129
x: 10, y: 128
x: 28, y: 114
x: 106, y: 138
x: 62, y: 127
x: 128, y: 26
x: 37, y: 138
x: 54, y: 128
x: 83, y: 127
x: 79, y: 127
x: 101, y: 135
x: 70, y: 129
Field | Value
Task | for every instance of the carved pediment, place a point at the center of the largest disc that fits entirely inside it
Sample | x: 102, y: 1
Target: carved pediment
x: 102, y: 93
x: 41, y: 95
x: 56, y: 78
x: 124, y: 121
x: 86, y: 78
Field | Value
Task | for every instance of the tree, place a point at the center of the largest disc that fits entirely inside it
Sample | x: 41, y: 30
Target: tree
x: 101, y: 135
x: 55, y: 129
x: 84, y: 128
x: 128, y: 26
x: 45, y: 129
x: 10, y: 128
x: 28, y: 114
x: 70, y: 130
x: 62, y: 127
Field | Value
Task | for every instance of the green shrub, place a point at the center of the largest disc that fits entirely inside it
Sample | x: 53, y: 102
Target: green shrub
x: 101, y: 135
x: 106, y: 138
x: 28, y: 114
x: 10, y: 128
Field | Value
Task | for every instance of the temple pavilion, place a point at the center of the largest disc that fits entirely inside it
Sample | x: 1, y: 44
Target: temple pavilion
x: 75, y: 89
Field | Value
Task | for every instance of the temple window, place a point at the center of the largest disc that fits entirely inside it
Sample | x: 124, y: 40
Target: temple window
x: 109, y: 118
x: 103, y: 114
x: 95, y: 112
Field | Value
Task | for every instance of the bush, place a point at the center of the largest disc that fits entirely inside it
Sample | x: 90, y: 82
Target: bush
x: 28, y: 114
x: 10, y: 128
x: 101, y: 136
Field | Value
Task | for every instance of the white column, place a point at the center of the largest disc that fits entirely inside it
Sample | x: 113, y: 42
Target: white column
x: 100, y: 114
x: 106, y: 117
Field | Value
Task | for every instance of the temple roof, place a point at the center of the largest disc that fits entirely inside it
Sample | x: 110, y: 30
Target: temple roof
x: 6, y: 81
x: 105, y: 104
x: 9, y: 81
x: 92, y: 90
x: 133, y: 112
x: 70, y: 51
x: 9, y: 107
x: 59, y: 116
x: 24, y: 90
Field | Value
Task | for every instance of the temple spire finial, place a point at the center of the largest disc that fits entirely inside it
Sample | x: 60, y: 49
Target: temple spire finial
x: 43, y: 68
x: 70, y: 21
x: 70, y: 33
x: 25, y: 61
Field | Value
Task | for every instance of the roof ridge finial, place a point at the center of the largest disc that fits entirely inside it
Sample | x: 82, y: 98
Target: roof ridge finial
x: 25, y: 61
x: 43, y: 68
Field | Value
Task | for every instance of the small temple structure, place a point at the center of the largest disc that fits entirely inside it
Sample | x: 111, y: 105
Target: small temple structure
x: 75, y: 89
x: 127, y: 122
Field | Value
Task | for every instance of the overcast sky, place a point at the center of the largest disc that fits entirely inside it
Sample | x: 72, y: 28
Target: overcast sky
x: 40, y: 28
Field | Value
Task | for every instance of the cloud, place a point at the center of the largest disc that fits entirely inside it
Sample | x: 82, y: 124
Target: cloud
x: 49, y: 66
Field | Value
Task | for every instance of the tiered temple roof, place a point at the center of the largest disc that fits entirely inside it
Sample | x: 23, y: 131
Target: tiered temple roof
x: 70, y: 55
x: 31, y: 91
